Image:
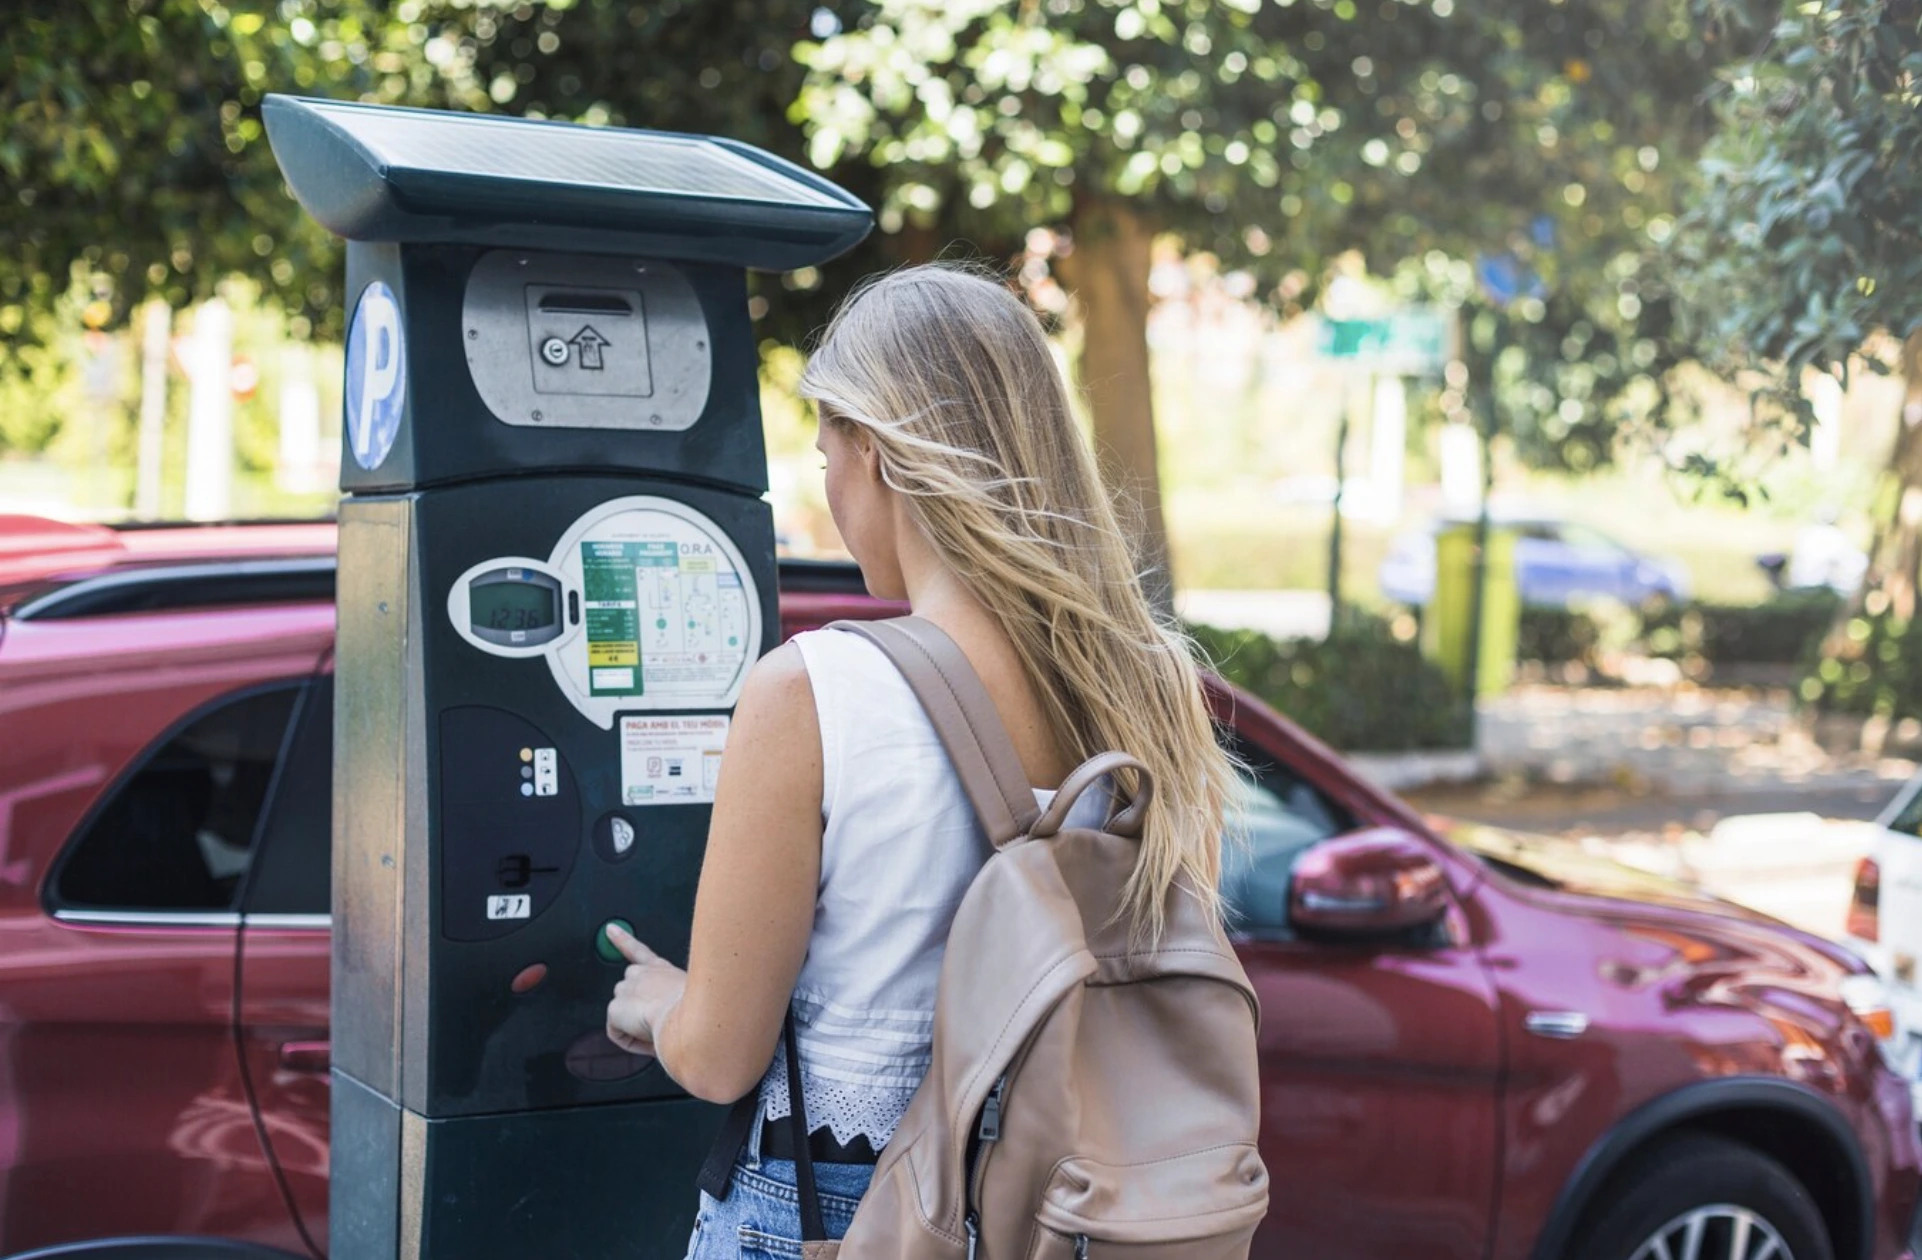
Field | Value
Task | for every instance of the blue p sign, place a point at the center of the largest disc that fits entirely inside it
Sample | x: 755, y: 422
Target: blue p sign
x: 376, y: 376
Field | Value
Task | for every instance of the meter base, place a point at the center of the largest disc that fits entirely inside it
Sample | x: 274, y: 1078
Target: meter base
x: 613, y: 1182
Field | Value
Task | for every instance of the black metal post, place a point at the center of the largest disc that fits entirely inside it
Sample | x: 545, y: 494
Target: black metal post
x: 1486, y: 413
x: 1334, y: 531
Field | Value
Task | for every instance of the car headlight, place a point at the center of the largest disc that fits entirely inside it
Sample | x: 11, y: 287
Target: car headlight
x: 1869, y: 1001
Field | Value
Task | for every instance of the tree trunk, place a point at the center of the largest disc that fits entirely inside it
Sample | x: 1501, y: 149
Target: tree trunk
x: 1895, y: 555
x: 1108, y: 272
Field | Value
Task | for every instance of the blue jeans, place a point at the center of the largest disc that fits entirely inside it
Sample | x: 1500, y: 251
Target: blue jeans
x: 761, y: 1217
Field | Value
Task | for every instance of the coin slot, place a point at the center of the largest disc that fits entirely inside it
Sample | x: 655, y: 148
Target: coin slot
x: 585, y: 304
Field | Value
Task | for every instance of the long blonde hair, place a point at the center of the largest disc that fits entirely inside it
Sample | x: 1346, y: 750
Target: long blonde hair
x: 951, y: 376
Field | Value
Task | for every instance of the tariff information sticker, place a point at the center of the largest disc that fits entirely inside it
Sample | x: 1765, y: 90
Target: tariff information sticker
x: 671, y: 760
x: 665, y: 615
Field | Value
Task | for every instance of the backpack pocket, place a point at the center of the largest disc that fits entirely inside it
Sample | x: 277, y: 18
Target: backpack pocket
x: 1200, y: 1206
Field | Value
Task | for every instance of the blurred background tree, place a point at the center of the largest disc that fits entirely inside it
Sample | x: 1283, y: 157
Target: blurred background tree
x: 1802, y: 254
x: 1278, y: 137
x: 134, y: 160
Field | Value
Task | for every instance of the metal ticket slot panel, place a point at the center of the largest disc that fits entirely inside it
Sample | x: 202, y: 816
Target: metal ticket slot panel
x: 556, y: 567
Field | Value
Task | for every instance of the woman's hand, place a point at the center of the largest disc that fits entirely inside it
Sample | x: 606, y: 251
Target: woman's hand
x: 649, y: 990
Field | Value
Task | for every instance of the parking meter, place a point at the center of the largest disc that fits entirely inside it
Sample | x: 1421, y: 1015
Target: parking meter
x: 556, y: 566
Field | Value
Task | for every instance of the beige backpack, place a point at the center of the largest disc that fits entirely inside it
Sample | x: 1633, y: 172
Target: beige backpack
x: 1086, y: 1099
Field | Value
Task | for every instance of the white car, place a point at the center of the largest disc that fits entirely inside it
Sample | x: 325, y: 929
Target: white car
x: 1885, y: 920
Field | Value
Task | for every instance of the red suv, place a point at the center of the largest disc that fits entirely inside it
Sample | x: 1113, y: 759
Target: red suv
x: 1550, y: 1056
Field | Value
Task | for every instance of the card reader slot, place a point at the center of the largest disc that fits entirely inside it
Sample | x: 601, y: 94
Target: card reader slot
x: 585, y: 304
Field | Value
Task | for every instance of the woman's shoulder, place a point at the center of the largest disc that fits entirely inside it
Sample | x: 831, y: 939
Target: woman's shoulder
x: 850, y: 674
x: 831, y: 650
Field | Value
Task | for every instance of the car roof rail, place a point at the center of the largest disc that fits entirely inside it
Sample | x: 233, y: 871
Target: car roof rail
x: 185, y: 586
x: 821, y: 577
x: 213, y: 583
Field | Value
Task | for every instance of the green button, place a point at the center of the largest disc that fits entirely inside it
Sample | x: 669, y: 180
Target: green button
x: 605, y: 947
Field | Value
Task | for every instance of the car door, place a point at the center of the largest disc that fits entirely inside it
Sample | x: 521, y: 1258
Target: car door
x: 121, y: 1105
x: 284, y: 955
x: 1379, y: 1062
x: 1598, y: 565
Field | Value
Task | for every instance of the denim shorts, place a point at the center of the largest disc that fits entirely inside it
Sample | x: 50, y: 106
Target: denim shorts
x: 761, y: 1217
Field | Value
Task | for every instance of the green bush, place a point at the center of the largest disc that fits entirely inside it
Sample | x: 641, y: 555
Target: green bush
x: 1877, y: 672
x: 1557, y: 636
x: 1361, y: 689
x: 1783, y: 631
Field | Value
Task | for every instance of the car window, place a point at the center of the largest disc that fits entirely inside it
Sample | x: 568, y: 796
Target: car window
x: 1589, y: 539
x: 1908, y: 819
x: 293, y: 872
x: 1277, y: 817
x: 178, y: 833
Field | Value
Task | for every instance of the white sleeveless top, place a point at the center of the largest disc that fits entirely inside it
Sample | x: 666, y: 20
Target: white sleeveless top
x: 900, y: 845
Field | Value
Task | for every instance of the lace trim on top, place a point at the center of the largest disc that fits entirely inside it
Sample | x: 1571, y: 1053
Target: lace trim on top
x: 861, y: 1082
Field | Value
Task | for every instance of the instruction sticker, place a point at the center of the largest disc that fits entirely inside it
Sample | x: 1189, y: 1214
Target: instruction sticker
x: 671, y: 760
x: 666, y: 616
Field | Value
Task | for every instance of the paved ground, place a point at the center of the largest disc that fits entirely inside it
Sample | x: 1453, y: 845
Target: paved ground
x: 1721, y: 788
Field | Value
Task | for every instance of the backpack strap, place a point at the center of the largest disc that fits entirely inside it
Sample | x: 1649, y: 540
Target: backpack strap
x: 963, y: 716
x: 813, y: 1226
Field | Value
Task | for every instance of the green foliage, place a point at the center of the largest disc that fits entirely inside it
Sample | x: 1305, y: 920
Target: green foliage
x: 1879, y: 674
x: 1783, y: 631
x: 1557, y: 636
x: 1361, y: 689
x: 134, y: 159
x: 722, y: 67
x: 1803, y: 237
x: 1278, y: 136
x: 41, y: 380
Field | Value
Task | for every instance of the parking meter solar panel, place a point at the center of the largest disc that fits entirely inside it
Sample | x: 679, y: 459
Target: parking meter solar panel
x: 371, y: 173
x: 637, y: 161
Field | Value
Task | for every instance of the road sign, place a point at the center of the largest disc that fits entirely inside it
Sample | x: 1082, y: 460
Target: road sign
x: 376, y: 376
x: 1410, y: 342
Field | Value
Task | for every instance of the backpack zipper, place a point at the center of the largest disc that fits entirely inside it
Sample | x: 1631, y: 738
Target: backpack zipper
x: 990, y: 1130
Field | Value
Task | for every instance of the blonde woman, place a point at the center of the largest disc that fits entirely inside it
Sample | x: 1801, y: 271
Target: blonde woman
x: 841, y: 839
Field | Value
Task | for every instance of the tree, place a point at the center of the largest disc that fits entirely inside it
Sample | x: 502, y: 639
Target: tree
x: 1802, y: 251
x: 722, y: 67
x: 1275, y: 135
x: 136, y: 164
x: 134, y: 158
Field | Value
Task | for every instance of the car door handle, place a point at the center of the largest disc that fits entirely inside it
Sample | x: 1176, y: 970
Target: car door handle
x: 1556, y: 1025
x: 305, y: 1056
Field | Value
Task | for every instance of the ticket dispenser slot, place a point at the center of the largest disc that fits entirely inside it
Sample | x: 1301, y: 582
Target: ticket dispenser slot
x: 556, y: 569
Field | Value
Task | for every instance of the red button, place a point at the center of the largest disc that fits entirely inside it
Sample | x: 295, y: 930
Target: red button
x: 529, y: 977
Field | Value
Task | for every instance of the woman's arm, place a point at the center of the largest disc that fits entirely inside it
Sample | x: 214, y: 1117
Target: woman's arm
x: 713, y: 1027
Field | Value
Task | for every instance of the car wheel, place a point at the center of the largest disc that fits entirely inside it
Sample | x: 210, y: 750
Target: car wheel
x: 1703, y: 1198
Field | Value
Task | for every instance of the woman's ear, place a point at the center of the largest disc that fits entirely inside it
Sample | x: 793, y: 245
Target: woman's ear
x: 870, y: 453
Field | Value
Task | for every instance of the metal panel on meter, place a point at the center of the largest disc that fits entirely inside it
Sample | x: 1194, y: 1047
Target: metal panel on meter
x: 565, y: 341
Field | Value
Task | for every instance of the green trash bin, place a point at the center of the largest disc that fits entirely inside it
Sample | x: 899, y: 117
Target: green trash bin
x: 1447, y: 624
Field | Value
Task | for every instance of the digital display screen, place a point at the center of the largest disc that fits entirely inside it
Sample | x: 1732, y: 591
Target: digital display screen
x: 510, y: 605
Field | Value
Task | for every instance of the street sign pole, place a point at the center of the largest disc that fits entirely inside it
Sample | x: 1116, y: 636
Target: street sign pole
x: 1478, y: 595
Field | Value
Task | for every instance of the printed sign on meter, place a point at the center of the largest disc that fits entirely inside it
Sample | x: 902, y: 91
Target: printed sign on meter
x: 644, y: 604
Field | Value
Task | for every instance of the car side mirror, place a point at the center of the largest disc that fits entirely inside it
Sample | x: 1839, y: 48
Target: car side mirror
x: 1367, y: 884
